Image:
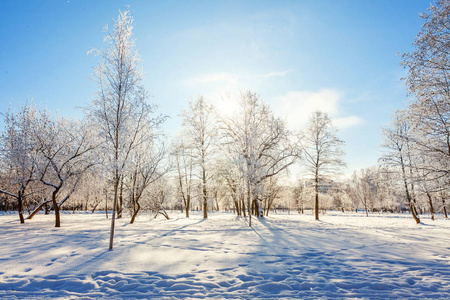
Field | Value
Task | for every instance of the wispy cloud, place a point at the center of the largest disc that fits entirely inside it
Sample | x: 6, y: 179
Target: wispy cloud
x: 346, y: 122
x: 297, y: 106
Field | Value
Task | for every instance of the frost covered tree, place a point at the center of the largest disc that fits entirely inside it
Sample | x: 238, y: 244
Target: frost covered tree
x: 299, y: 194
x: 121, y: 108
x: 65, y: 149
x: 428, y: 115
x: 19, y: 152
x: 148, y: 163
x: 260, y: 142
x: 230, y: 174
x: 200, y: 126
x: 272, y: 192
x: 184, y: 166
x: 341, y: 194
x: 363, y: 188
x: 397, y: 155
x: 322, y: 152
x: 158, y: 195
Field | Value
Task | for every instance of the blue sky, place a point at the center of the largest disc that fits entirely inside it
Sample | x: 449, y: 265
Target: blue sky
x: 338, y: 56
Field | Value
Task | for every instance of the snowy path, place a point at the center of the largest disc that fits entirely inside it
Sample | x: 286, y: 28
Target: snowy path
x: 281, y: 256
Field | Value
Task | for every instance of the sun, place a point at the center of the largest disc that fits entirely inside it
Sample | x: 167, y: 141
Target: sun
x: 226, y: 103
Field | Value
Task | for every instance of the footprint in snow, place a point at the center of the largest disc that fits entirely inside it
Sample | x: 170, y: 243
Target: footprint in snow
x: 245, y: 278
x: 279, y: 277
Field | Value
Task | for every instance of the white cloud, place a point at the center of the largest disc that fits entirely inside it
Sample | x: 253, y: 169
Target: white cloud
x: 297, y: 106
x: 346, y: 122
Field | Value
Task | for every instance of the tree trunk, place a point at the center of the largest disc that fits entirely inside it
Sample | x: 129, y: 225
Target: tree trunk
x: 37, y: 209
x: 259, y: 210
x: 120, y: 204
x: 445, y: 208
x: 56, y: 208
x: 163, y: 212
x: 316, y: 204
x: 249, y: 204
x: 136, y: 211
x: 236, y: 206
x: 408, y: 196
x: 188, y: 205
x: 95, y: 206
x: 253, y: 208
x: 205, y: 200
x: 113, y: 218
x: 86, y: 202
x: 20, y: 200
x: 269, y: 206
x: 430, y: 201
x: 217, y: 201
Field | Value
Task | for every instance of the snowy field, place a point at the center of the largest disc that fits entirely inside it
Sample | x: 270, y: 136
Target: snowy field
x: 281, y: 256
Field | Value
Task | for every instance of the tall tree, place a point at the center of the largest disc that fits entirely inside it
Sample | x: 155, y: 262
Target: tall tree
x: 121, y: 108
x: 396, y: 156
x: 428, y: 81
x: 184, y: 164
x: 199, y: 123
x: 322, y: 151
x: 230, y: 174
x: 260, y: 141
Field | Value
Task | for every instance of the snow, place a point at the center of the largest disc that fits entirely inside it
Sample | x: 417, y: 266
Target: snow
x: 282, y: 256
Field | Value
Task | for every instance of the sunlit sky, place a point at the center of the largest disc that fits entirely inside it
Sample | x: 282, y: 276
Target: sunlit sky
x: 336, y: 56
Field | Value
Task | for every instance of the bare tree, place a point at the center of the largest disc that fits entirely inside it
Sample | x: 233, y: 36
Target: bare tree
x: 121, y: 108
x: 363, y: 189
x: 64, y: 148
x: 158, y: 194
x: 231, y: 176
x: 199, y: 123
x: 147, y: 167
x: 19, y: 153
x: 184, y: 164
x: 260, y: 141
x: 322, y: 151
x: 396, y: 156
x: 299, y: 195
x: 428, y: 114
x: 272, y: 192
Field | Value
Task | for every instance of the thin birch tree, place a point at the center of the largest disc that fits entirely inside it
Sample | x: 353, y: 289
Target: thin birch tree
x: 199, y: 123
x: 322, y: 152
x: 121, y: 108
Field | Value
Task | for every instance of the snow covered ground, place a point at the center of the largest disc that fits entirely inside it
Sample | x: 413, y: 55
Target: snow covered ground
x: 281, y: 256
